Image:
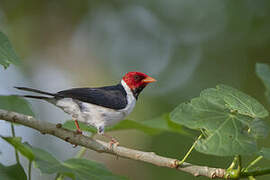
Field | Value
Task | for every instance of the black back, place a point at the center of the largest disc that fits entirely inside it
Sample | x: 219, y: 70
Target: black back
x: 114, y: 97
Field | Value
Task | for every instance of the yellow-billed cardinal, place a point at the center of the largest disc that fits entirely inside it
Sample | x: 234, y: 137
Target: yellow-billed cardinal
x: 98, y: 107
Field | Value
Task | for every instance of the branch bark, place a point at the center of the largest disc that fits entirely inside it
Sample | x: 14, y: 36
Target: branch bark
x: 103, y: 147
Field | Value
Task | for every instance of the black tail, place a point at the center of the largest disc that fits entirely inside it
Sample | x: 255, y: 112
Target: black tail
x: 34, y: 90
x: 36, y: 97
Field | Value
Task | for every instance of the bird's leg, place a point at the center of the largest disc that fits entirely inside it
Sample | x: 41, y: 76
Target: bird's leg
x: 79, y: 131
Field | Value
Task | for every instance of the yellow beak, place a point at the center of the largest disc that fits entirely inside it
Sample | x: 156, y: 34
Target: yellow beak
x: 149, y: 80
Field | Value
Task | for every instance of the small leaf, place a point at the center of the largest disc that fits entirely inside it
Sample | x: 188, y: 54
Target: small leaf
x: 16, y: 142
x: 7, y: 54
x: 13, y: 172
x: 151, y: 127
x: 85, y: 169
x: 229, y: 118
x: 265, y: 152
x: 263, y: 72
x: 79, y: 169
x: 16, y: 104
x: 44, y: 160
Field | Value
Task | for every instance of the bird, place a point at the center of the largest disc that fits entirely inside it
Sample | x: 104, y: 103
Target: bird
x: 98, y: 107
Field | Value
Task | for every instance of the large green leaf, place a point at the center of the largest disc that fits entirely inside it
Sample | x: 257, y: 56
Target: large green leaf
x: 13, y: 172
x: 229, y: 119
x: 7, y: 54
x: 79, y: 169
x: 16, y: 142
x: 15, y: 103
x: 151, y: 127
x: 263, y: 72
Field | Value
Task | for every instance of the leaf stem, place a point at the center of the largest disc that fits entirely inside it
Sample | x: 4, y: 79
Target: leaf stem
x: 252, y: 163
x: 190, y: 150
x: 233, y: 164
x: 251, y: 178
x: 29, y: 170
x: 13, y: 135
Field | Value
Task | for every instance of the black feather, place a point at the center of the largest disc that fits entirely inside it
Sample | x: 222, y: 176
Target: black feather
x: 114, y: 97
x: 34, y: 90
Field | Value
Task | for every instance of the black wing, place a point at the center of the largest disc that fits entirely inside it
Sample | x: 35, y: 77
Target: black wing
x: 114, y: 97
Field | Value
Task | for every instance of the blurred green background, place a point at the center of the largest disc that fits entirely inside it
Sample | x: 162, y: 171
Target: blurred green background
x: 187, y: 45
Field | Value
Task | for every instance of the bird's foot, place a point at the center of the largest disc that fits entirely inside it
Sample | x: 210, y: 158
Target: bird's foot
x: 113, y: 142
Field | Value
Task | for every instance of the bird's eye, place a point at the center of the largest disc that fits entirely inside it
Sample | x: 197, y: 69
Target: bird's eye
x: 136, y: 77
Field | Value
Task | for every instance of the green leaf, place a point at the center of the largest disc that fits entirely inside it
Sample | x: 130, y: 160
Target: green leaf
x: 16, y: 104
x: 79, y: 169
x: 151, y: 127
x: 265, y: 152
x: 7, y: 54
x: 229, y: 119
x: 263, y: 72
x: 16, y: 142
x: 13, y: 172
x: 85, y: 169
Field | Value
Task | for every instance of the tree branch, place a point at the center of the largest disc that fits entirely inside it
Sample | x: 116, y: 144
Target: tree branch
x: 103, y: 147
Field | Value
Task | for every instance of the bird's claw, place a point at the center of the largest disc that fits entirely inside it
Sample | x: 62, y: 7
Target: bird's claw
x: 78, y: 131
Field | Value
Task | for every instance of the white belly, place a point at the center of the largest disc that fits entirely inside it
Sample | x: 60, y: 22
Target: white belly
x: 94, y: 115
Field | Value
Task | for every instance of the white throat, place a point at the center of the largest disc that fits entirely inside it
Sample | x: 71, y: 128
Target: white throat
x: 127, y: 89
x: 130, y: 98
